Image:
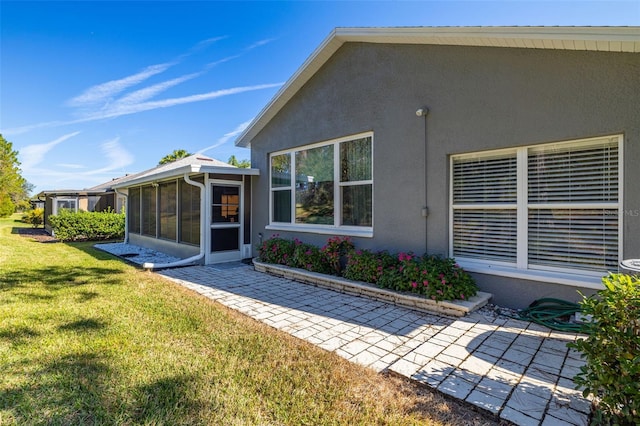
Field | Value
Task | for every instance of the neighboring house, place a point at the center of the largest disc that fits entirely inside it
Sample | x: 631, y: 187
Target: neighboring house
x: 96, y: 199
x: 196, y: 208
x: 514, y: 150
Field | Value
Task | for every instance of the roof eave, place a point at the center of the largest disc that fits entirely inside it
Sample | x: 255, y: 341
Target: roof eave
x: 189, y: 170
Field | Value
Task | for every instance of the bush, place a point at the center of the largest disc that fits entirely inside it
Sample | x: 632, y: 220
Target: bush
x: 72, y: 226
x: 612, y: 351
x: 432, y: 276
x: 311, y: 258
x: 335, y: 251
x: 34, y: 217
x: 7, y: 208
x: 436, y: 277
x: 364, y: 265
x: 277, y: 250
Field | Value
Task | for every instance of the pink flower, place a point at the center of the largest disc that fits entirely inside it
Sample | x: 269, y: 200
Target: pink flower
x: 426, y: 283
x: 441, y: 276
x: 461, y: 296
x: 440, y: 292
x: 424, y: 272
x: 443, y: 281
x: 308, y: 253
x: 414, y: 284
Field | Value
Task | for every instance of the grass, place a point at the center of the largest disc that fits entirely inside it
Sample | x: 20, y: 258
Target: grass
x: 88, y: 339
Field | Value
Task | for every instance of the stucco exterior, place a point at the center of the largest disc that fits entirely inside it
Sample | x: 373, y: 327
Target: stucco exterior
x: 479, y: 98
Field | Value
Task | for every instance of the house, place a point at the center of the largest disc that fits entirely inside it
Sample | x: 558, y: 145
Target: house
x: 513, y: 149
x: 196, y: 208
x: 96, y: 199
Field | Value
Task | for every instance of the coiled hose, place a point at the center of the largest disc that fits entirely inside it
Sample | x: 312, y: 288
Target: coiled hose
x: 552, y: 313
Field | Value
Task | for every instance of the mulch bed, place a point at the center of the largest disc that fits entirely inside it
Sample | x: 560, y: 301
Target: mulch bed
x: 37, y: 234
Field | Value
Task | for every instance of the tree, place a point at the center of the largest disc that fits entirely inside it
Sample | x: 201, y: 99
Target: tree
x: 13, y: 187
x: 243, y: 164
x: 177, y: 154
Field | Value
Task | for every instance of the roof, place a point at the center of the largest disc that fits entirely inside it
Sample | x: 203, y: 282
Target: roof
x: 196, y: 163
x: 601, y: 39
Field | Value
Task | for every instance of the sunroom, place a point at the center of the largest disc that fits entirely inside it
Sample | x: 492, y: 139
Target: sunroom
x: 197, y: 209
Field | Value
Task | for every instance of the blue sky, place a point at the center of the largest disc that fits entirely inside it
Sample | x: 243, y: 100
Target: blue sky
x: 90, y: 91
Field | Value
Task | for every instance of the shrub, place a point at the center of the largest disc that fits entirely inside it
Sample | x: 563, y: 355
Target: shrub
x: 73, y: 226
x: 612, y: 350
x: 436, y: 277
x: 335, y: 250
x: 34, y: 217
x: 277, y: 250
x: 432, y: 276
x: 7, y: 208
x: 364, y: 265
x: 310, y: 257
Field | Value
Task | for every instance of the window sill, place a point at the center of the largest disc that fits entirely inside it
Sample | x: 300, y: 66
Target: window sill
x: 562, y: 278
x: 325, y: 230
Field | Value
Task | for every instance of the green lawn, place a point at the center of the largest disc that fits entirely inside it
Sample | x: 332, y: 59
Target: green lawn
x: 87, y: 339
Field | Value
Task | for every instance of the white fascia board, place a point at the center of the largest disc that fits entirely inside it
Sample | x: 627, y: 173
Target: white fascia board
x: 189, y: 169
x: 614, y: 38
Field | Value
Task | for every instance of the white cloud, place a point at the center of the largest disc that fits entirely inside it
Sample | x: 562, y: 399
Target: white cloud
x: 106, y: 91
x: 71, y: 166
x: 107, y: 100
x: 225, y: 138
x: 151, y: 91
x: 117, y: 110
x: 118, y: 157
x: 32, y: 155
x: 260, y: 43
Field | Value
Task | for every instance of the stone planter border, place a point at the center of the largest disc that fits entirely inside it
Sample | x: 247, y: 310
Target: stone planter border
x: 456, y: 308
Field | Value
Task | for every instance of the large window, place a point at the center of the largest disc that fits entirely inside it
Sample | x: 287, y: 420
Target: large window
x: 326, y: 187
x: 552, y: 207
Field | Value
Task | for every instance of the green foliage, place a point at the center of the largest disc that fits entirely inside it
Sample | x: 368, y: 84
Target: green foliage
x: 34, y: 217
x: 612, y: 350
x: 434, y: 277
x: 7, y: 207
x: 310, y: 257
x: 177, y: 154
x: 277, y: 250
x: 367, y: 266
x: 335, y: 250
x: 72, y: 226
x: 13, y: 187
x: 243, y: 164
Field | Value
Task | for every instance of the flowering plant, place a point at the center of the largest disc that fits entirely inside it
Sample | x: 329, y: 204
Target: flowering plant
x: 434, y: 277
x: 310, y: 257
x: 367, y: 266
x: 277, y: 250
x: 335, y: 249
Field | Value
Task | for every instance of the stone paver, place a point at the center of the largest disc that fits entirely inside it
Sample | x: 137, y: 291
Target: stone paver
x: 517, y: 370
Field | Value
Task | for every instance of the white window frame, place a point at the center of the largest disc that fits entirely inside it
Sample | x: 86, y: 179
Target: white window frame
x: 521, y: 269
x: 337, y: 228
x: 66, y: 199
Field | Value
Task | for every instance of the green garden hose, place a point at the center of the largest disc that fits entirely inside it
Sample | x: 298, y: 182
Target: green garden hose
x: 552, y: 313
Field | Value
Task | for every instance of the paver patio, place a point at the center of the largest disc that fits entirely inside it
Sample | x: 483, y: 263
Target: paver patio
x: 520, y: 371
